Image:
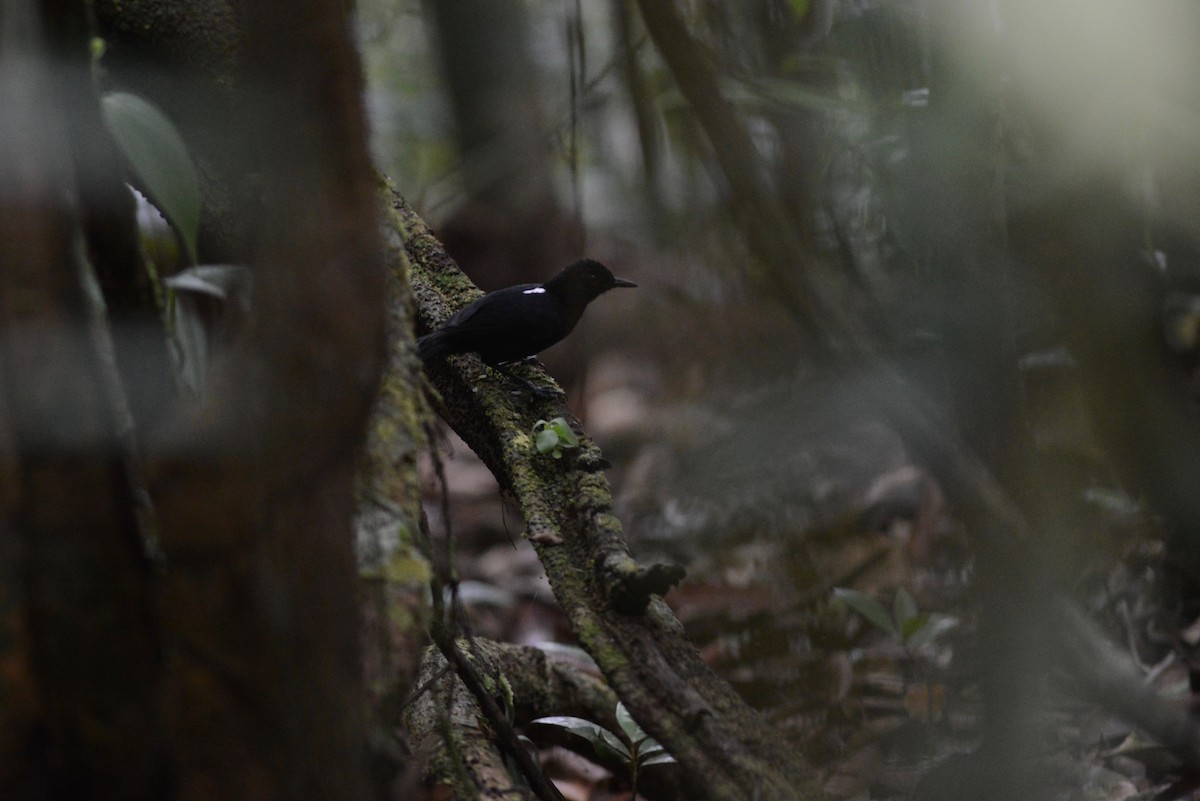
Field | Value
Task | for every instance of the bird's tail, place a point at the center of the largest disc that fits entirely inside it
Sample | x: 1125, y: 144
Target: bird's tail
x: 433, y: 345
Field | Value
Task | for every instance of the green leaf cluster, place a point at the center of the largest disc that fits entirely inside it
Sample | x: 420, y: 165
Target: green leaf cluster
x: 632, y: 748
x: 904, y: 621
x: 554, y: 436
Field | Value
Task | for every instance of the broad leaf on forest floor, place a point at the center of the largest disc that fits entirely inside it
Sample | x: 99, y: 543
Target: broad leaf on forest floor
x: 606, y: 744
x: 868, y: 607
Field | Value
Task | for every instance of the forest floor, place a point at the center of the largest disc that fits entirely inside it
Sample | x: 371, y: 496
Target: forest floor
x: 829, y: 582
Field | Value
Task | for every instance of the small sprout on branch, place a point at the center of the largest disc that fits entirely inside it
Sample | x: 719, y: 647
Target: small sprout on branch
x: 554, y: 436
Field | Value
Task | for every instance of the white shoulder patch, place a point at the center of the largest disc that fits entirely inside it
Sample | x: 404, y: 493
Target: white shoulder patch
x: 537, y: 290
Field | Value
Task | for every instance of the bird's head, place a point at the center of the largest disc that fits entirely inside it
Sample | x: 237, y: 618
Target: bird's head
x: 585, y: 280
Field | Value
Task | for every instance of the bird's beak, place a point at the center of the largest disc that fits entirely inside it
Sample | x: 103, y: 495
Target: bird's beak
x: 622, y: 282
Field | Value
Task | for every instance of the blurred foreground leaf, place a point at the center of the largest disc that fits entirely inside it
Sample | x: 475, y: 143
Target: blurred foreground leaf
x: 160, y: 159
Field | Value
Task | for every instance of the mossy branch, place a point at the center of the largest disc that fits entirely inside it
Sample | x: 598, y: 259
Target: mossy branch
x: 725, y: 748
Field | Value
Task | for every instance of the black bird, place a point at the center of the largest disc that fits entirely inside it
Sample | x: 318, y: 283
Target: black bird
x: 515, y: 323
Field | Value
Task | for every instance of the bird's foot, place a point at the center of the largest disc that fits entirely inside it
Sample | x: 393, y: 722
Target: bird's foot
x: 544, y: 393
x: 526, y: 385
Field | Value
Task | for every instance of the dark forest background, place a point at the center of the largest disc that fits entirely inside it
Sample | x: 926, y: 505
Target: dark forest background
x: 908, y: 389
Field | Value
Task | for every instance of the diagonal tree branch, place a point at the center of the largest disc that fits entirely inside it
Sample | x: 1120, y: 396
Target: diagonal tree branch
x: 725, y: 748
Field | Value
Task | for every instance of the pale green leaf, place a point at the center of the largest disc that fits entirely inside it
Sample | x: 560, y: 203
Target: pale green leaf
x: 566, y: 436
x: 546, y: 440
x: 661, y: 758
x: 931, y: 628
x: 633, y: 732
x: 912, y: 626
x: 868, y: 607
x: 227, y: 282
x: 604, y: 742
x: 904, y: 607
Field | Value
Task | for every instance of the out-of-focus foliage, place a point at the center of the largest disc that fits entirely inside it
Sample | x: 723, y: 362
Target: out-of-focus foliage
x: 160, y: 160
x: 409, y: 119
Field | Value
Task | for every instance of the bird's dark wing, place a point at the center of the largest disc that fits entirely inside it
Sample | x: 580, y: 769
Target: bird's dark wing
x: 509, y: 324
x: 496, y: 302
